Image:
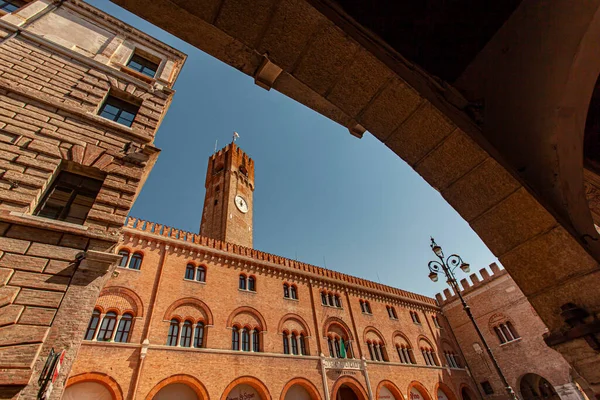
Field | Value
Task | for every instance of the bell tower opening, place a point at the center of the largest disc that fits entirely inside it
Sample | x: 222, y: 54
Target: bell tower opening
x: 228, y: 208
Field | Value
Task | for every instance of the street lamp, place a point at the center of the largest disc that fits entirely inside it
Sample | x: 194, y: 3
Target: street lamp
x: 448, y: 266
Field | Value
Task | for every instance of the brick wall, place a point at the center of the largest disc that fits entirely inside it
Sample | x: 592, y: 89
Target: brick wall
x: 496, y: 298
x: 57, y: 65
x: 160, y: 287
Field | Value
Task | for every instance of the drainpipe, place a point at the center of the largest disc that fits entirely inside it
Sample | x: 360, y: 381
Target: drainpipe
x: 146, y: 343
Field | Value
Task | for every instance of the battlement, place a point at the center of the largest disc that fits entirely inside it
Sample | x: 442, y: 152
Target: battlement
x: 230, y: 158
x: 474, y: 283
x: 233, y: 148
x: 173, y: 233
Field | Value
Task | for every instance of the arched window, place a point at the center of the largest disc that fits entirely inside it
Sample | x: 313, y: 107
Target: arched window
x: 436, y: 322
x: 293, y: 292
x: 189, y: 271
x: 286, y: 343
x: 251, y: 284
x: 136, y: 261
x: 242, y: 284
x: 186, y: 334
x: 368, y: 307
x: 303, y: 345
x: 286, y: 291
x: 256, y: 340
x: 338, y: 302
x: 323, y: 298
x: 124, y: 258
x: 294, y: 344
x: 506, y: 332
x: 173, y: 333
x: 330, y: 298
x: 123, y: 329
x: 201, y: 274
x: 415, y: 317
x: 235, y: 338
x: 107, y: 327
x: 92, y: 326
x: 330, y: 346
x: 245, y: 340
x: 199, y: 335
x: 336, y: 344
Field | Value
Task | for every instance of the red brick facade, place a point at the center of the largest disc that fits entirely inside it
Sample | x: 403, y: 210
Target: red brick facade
x: 513, y: 331
x: 59, y: 61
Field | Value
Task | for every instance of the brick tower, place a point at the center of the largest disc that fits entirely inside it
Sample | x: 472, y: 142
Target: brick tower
x: 227, y: 213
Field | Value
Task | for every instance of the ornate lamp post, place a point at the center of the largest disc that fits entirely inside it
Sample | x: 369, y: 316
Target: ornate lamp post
x: 448, y: 266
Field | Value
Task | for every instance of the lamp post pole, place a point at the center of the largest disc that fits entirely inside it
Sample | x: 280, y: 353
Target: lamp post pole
x: 448, y: 266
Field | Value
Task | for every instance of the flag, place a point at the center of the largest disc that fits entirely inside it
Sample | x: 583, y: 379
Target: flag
x: 342, y: 349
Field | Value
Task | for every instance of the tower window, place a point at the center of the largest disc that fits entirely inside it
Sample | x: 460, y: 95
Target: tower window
x: 11, y: 5
x: 118, y: 110
x: 70, y: 198
x: 143, y: 65
x: 487, y: 387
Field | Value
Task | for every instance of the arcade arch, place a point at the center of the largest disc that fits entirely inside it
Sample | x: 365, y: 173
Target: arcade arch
x: 101, y: 385
x: 387, y: 390
x: 348, y: 388
x: 300, y: 389
x: 181, y: 387
x: 443, y: 392
x: 416, y: 391
x: 535, y: 387
x: 246, y: 387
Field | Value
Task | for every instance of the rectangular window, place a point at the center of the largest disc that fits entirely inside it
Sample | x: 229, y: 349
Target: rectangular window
x: 70, y: 198
x: 143, y: 65
x: 487, y: 387
x: 118, y: 110
x: 11, y: 5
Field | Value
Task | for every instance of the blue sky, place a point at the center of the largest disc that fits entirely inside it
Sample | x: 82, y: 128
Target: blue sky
x: 322, y: 196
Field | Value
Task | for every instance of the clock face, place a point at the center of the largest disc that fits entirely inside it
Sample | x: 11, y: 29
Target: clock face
x: 241, y: 204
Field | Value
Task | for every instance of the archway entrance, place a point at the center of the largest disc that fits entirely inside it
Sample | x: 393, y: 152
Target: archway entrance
x: 179, y: 391
x: 345, y: 392
x: 535, y: 387
x: 87, y: 390
x: 466, y: 395
x: 297, y: 392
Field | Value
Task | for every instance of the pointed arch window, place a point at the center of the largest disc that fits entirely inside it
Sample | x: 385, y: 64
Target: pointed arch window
x: 330, y: 346
x: 123, y: 328
x: 136, y: 261
x: 286, y: 343
x: 294, y: 292
x: 201, y: 274
x: 506, y: 332
x: 199, y: 335
x: 256, y: 340
x: 189, y: 271
x: 173, y: 335
x: 124, y: 258
x: 251, y: 284
x: 93, y: 325
x: 294, y: 344
x: 330, y: 299
x: 323, y: 298
x: 235, y: 338
x: 338, y: 302
x: 242, y: 282
x: 107, y: 327
x: 245, y: 340
x: 303, y: 345
x: 186, y: 334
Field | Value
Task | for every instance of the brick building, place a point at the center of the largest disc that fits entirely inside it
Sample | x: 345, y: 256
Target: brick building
x: 514, y: 332
x: 197, y: 317
x: 81, y: 98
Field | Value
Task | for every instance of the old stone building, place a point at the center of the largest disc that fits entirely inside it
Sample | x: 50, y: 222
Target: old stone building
x: 514, y: 332
x: 81, y: 98
x: 188, y: 316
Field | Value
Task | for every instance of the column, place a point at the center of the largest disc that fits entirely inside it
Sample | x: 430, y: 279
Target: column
x: 100, y: 319
x: 194, y: 325
x: 179, y: 329
x: 252, y: 333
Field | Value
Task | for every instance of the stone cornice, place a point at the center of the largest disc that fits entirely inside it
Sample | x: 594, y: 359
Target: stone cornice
x: 241, y: 257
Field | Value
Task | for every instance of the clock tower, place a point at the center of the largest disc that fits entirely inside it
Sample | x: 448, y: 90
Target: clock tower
x: 228, y: 208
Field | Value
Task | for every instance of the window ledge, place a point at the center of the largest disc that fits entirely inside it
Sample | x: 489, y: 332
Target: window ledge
x: 366, y: 313
x: 327, y: 305
x: 50, y: 221
x: 195, y: 281
x: 136, y: 74
x: 291, y: 299
x: 511, y: 341
x: 247, y: 291
x: 394, y: 319
x: 128, y: 269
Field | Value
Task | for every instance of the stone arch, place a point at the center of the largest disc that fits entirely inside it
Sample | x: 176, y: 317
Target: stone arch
x: 446, y: 389
x: 466, y: 392
x: 535, y: 383
x: 255, y: 383
x: 446, y: 345
x: 101, y: 378
x: 391, y: 387
x: 374, y: 332
x: 353, y: 384
x: 306, y: 384
x: 336, y: 321
x: 192, y: 303
x: 423, y: 339
x: 299, y: 320
x: 247, y: 310
x: 403, y: 337
x: 420, y: 388
x: 188, y: 380
x: 122, y: 299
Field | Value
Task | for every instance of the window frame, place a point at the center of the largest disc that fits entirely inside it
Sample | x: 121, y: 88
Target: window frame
x: 11, y: 3
x: 185, y: 338
x: 173, y: 334
x: 190, y: 272
x: 124, y: 328
x: 145, y: 60
x: 117, y: 101
x: 135, y: 262
x: 255, y: 340
x: 125, y: 254
x: 111, y: 320
x: 95, y: 321
x: 199, y: 335
x: 235, y: 338
x: 200, y: 274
